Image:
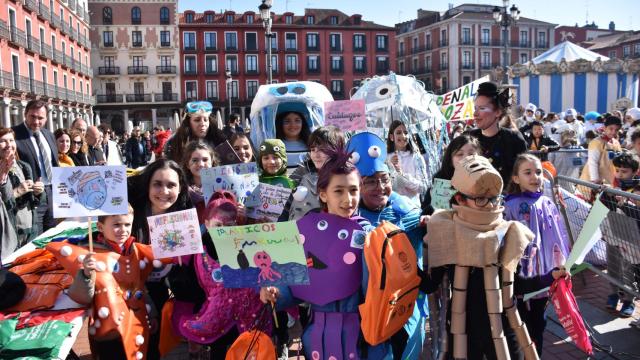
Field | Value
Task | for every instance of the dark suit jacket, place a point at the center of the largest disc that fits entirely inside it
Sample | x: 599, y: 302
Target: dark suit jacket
x: 28, y: 151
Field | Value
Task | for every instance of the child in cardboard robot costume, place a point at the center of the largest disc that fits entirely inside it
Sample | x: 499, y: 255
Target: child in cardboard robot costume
x: 483, y: 242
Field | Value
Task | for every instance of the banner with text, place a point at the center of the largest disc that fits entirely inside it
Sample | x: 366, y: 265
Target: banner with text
x: 457, y: 105
x: 346, y: 115
x: 240, y: 179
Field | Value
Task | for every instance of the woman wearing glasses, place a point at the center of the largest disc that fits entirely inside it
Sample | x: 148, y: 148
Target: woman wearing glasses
x: 196, y: 125
x: 63, y: 141
x: 78, y: 152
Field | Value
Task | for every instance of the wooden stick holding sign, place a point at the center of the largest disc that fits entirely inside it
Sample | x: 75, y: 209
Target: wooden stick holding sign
x: 90, y: 235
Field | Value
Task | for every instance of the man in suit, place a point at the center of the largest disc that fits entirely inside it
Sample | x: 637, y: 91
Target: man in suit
x: 94, y: 148
x: 37, y: 147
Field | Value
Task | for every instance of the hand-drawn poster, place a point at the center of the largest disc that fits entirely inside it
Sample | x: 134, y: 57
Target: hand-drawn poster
x: 260, y: 255
x: 346, y: 115
x: 441, y: 194
x: 175, y: 234
x: 458, y: 105
x: 240, y: 179
x: 267, y: 202
x: 89, y: 191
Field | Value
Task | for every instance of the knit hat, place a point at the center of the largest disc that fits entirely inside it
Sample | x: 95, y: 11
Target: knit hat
x: 475, y: 176
x: 275, y: 147
x: 223, y: 207
x: 368, y: 153
x: 531, y: 107
x: 634, y: 113
x: 591, y: 116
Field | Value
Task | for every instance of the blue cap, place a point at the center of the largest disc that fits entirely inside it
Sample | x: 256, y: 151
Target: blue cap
x: 369, y: 153
x: 591, y: 116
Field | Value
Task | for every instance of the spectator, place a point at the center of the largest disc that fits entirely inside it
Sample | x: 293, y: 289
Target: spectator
x: 109, y: 147
x: 539, y: 114
x: 63, y: 140
x: 233, y: 126
x: 161, y: 137
x: 599, y: 168
x: 80, y: 125
x: 501, y: 146
x: 78, y: 151
x: 94, y: 150
x: 37, y: 147
x: 570, y: 118
x: 136, y: 150
x: 591, y: 122
x: 538, y: 141
x: 632, y: 120
x: 407, y: 167
x: 528, y: 116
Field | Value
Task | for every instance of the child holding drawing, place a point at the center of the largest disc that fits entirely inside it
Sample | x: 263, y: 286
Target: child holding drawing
x: 545, y: 256
x: 197, y: 156
x: 111, y: 279
x: 407, y: 166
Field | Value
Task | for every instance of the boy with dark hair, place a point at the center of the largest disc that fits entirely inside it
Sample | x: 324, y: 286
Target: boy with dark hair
x: 538, y: 141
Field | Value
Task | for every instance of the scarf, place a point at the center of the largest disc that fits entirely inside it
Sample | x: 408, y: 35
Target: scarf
x: 125, y: 249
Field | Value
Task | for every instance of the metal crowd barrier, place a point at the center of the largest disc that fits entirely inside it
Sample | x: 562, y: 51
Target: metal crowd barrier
x: 616, y: 257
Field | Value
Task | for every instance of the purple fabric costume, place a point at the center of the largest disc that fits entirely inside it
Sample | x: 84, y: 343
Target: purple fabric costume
x: 222, y: 309
x: 550, y: 246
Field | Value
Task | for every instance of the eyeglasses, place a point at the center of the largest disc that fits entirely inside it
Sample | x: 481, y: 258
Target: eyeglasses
x: 76, y: 142
x: 372, y: 183
x: 483, y: 201
x: 198, y: 106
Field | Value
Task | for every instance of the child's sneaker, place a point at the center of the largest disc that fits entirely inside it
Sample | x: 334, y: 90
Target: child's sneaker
x: 612, y: 301
x: 627, y: 309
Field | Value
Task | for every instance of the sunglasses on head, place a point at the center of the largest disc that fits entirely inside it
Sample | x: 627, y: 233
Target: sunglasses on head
x: 198, y: 106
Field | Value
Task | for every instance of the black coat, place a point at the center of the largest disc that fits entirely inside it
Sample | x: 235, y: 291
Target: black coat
x: 27, y: 150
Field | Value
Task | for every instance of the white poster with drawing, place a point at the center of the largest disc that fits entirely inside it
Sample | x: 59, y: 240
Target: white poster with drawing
x: 89, y: 191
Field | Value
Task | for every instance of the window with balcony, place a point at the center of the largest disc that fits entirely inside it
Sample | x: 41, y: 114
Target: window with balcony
x: 188, y: 17
x: 414, y: 45
x: 232, y: 88
x: 189, y: 41
x: 613, y: 54
x: 443, y: 38
x: 312, y: 42
x: 311, y: 20
x: 542, y: 39
x: 401, y: 48
x: 445, y: 84
x: 485, y: 36
x: 251, y: 62
x: 210, y: 41
x: 486, y: 60
x: 444, y: 61
x: 137, y: 61
x: 427, y: 41
x: 232, y: 63
x: 288, y: 19
x: 290, y: 41
x: 211, y: 89
x: 382, y: 42
x: 273, y: 40
x: 164, y: 15
x: 190, y: 65
x: 382, y: 64
x: 107, y: 15
x: 231, y: 41
x: 524, y: 58
x: 252, y: 88
x: 414, y: 67
x: 107, y: 39
x: 136, y: 38
x: 333, y: 20
x: 359, y: 64
x: 208, y: 18
x: 401, y: 67
x: 466, y: 36
x: 337, y: 87
x: 312, y: 63
x: 336, y: 64
x: 250, y: 41
x: 427, y: 63
x: 524, y: 38
x: 274, y: 63
x: 211, y: 64
x: 109, y: 61
x: 191, y: 90
x: 165, y: 38
x: 359, y: 42
x: 335, y: 42
x: 466, y: 60
x: 136, y: 15
x: 291, y: 64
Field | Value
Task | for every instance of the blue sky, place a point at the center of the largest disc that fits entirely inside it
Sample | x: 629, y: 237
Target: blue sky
x: 565, y: 12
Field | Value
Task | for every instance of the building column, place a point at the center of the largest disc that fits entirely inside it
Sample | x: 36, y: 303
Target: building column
x: 21, y: 106
x: 60, y: 120
x: 50, y: 120
x: 6, y: 112
x: 154, y: 117
x: 127, y: 128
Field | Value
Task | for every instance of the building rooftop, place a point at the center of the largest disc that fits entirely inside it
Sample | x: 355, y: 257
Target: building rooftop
x: 605, y: 41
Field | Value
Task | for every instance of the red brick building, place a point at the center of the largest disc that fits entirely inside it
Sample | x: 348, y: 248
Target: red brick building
x: 323, y: 45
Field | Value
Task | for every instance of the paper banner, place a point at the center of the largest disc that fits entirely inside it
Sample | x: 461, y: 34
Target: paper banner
x: 346, y: 115
x: 441, y: 194
x: 175, y: 234
x: 458, y: 105
x: 260, y: 255
x: 240, y: 179
x: 267, y: 202
x: 89, y: 191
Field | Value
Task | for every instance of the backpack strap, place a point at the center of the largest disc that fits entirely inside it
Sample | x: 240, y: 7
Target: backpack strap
x: 383, y: 275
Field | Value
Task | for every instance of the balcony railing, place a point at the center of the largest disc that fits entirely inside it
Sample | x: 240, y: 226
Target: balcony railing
x: 360, y: 49
x: 231, y: 48
x: 165, y: 43
x: 542, y: 45
x: 444, y: 66
x: 291, y: 72
x: 72, y: 4
x: 137, y: 70
x: 33, y: 44
x: 166, y: 97
x: 45, y: 50
x: 136, y: 44
x: 337, y: 69
x: 165, y: 69
x: 444, y: 42
x: 4, y: 30
x: 335, y: 48
x: 522, y: 44
x: 486, y: 66
x: 18, y: 37
x: 189, y: 48
x: 251, y: 71
x: 468, y: 66
x: 31, y: 5
x: 314, y: 70
x: 382, y: 49
x: 55, y: 20
x: 44, y: 12
x: 467, y: 41
x: 191, y: 71
x: 360, y: 70
x: 210, y: 70
x: 111, y: 98
x: 109, y: 70
x: 58, y: 56
x: 210, y: 48
x: 138, y: 98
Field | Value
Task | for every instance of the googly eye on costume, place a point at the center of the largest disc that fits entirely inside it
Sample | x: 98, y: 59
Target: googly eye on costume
x: 322, y: 225
x: 282, y: 90
x: 276, y: 148
x: 374, y: 151
x: 216, y: 275
x: 343, y: 234
x: 355, y: 157
x: 263, y: 148
x: 298, y: 89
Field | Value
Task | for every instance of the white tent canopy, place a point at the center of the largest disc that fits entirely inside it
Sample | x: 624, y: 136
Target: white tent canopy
x: 569, y: 51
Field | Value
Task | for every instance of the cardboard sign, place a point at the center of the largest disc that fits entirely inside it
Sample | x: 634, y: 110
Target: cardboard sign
x: 267, y: 202
x: 458, y: 105
x: 260, y: 255
x: 441, y: 194
x: 346, y: 115
x: 240, y: 179
x: 175, y: 234
x: 89, y: 191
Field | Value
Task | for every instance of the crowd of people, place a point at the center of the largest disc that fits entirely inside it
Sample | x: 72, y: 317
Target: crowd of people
x: 495, y: 167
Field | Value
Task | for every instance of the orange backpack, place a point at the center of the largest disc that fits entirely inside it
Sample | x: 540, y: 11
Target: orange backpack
x: 393, y: 283
x: 252, y: 345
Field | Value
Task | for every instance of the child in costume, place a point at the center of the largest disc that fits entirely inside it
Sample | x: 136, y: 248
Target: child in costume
x: 544, y: 258
x: 272, y: 162
x: 111, y: 279
x: 334, y: 292
x: 479, y: 251
x: 197, y: 156
x: 599, y: 168
x: 205, y: 312
x: 408, y: 167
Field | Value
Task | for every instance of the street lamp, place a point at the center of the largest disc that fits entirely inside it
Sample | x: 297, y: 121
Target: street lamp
x: 505, y: 19
x: 265, y: 15
x: 227, y: 74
